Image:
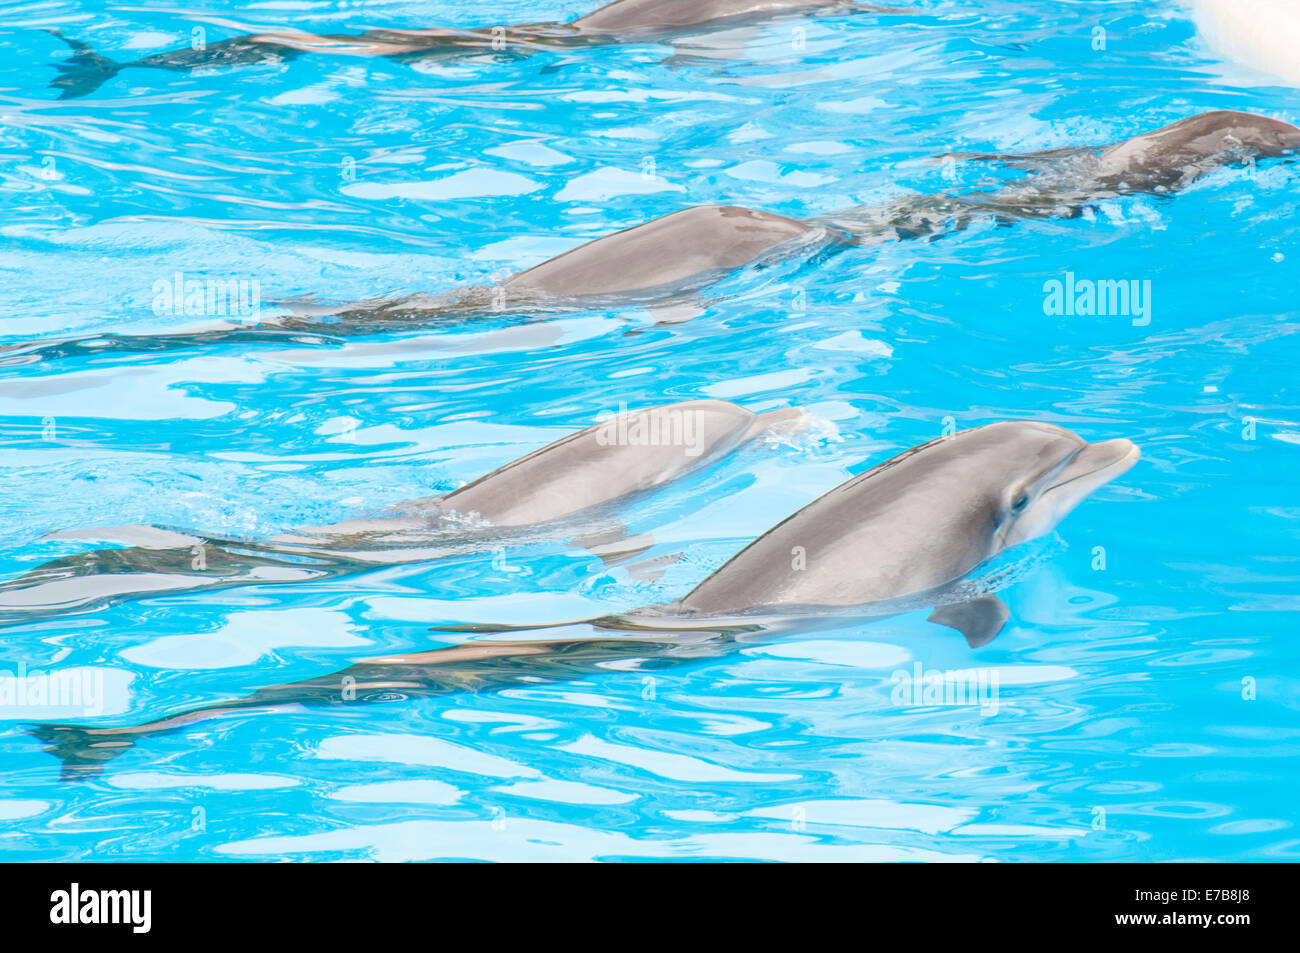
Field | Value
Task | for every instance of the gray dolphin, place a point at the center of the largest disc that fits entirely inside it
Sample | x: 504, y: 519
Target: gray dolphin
x: 567, y: 487
x: 1176, y: 155
x: 1159, y: 162
x: 904, y: 534
x: 624, y: 20
x: 655, y: 263
x: 663, y: 261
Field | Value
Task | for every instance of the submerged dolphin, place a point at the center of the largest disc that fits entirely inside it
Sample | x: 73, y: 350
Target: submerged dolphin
x: 621, y: 21
x: 661, y: 261
x: 1175, y: 155
x: 563, y: 488
x: 656, y: 262
x: 1158, y: 162
x: 903, y: 534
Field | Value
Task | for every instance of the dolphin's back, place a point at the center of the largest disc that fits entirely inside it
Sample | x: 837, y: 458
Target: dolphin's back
x: 605, y: 462
x: 889, y: 533
x: 634, y: 16
x: 1183, y: 150
x: 690, y: 246
x: 1213, y: 132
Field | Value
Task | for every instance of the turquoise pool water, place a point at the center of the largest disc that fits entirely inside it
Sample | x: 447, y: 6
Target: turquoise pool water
x: 1148, y: 677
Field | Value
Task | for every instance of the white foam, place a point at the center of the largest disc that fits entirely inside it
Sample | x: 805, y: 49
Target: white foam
x: 1262, y: 34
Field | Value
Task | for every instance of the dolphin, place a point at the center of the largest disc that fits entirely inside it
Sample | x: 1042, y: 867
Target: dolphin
x: 904, y: 534
x: 1178, y: 154
x: 656, y: 264
x: 1160, y: 162
x: 621, y: 21
x: 566, y: 487
x: 663, y: 262
x: 938, y: 511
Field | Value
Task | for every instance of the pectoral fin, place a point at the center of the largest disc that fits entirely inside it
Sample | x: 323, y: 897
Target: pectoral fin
x: 652, y: 570
x: 673, y: 312
x: 979, y: 619
x: 678, y: 313
x: 783, y: 420
x: 613, y: 545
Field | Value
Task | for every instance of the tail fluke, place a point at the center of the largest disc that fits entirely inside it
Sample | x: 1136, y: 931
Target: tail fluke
x: 82, y: 750
x: 84, y: 72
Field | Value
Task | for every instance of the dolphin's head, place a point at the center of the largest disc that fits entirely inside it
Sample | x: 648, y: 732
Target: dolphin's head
x: 1041, y: 472
x: 1210, y: 137
x: 1266, y: 137
x: 919, y: 521
x: 1247, y: 132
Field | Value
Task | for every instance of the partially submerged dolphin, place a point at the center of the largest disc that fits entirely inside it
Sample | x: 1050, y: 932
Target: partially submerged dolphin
x: 1178, y: 154
x: 621, y: 21
x: 566, y: 488
x: 681, y: 251
x: 1159, y: 162
x: 655, y: 263
x: 904, y: 534
x: 663, y: 261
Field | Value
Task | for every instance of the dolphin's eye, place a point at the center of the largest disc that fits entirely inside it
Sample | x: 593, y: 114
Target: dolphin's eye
x: 1020, y: 503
